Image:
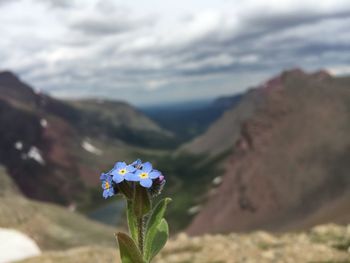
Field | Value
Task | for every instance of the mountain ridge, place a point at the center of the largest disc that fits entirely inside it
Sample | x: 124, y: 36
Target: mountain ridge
x: 289, y: 159
x: 50, y: 147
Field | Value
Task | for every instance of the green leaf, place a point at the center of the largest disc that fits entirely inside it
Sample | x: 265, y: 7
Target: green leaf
x: 159, y: 240
x: 142, y: 202
x: 132, y: 221
x: 153, y: 224
x: 129, y: 253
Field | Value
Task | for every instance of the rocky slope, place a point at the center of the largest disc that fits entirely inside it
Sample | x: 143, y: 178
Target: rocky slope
x: 226, y: 130
x: 50, y: 226
x: 328, y: 243
x: 289, y: 163
x: 55, y: 150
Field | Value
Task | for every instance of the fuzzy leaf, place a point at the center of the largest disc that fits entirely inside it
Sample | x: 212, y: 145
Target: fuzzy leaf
x: 159, y: 240
x: 153, y: 224
x: 129, y: 253
x: 142, y: 202
x: 132, y: 221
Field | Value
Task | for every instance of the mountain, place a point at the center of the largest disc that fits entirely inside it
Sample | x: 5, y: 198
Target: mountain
x: 226, y: 129
x: 55, y: 150
x: 120, y: 120
x: 188, y: 120
x: 288, y: 164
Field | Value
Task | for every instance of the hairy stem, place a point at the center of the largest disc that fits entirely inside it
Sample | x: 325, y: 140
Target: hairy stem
x: 140, y: 225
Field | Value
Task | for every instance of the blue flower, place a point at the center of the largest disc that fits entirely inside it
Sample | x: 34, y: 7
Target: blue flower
x: 107, y: 185
x: 146, y: 174
x: 137, y: 164
x: 123, y: 171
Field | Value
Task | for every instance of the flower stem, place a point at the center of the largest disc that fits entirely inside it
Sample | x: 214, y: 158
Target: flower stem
x: 141, y: 233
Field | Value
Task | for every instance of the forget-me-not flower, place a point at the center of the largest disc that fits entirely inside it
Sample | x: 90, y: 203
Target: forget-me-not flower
x: 137, y: 164
x: 146, y: 174
x: 107, y: 185
x: 122, y: 172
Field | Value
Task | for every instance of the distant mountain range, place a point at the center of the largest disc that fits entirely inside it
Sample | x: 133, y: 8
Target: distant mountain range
x: 276, y: 157
x: 188, y: 120
x: 55, y: 150
x: 288, y: 163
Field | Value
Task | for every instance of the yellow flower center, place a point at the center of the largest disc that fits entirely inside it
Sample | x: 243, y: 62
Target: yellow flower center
x: 144, y: 175
x: 122, y: 171
x: 107, y: 185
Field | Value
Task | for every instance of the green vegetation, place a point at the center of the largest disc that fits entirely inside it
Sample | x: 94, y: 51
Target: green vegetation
x: 189, y: 179
x: 118, y: 120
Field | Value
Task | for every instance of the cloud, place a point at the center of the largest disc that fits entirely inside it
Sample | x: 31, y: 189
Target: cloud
x: 3, y: 2
x: 95, y: 48
x: 105, y: 25
x: 64, y: 4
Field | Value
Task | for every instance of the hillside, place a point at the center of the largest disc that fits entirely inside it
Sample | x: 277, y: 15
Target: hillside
x: 55, y: 150
x: 120, y: 120
x: 51, y: 226
x: 289, y: 163
x: 226, y: 130
x: 322, y: 244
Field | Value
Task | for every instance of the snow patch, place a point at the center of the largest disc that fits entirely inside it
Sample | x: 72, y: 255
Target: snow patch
x: 43, y: 123
x: 34, y: 154
x: 194, y: 210
x: 90, y: 148
x: 15, y: 245
x: 18, y: 145
x: 217, y: 180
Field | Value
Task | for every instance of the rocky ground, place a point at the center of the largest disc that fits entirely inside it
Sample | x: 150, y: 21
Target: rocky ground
x: 322, y: 244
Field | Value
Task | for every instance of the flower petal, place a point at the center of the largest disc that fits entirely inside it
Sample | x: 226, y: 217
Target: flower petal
x: 147, y: 167
x: 154, y: 174
x: 103, y: 176
x: 117, y: 178
x: 146, y: 182
x: 132, y: 177
x: 120, y: 165
x: 138, y: 172
x: 114, y: 172
x: 111, y: 191
x: 130, y: 168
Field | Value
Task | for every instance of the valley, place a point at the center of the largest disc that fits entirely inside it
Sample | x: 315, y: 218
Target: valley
x: 264, y: 156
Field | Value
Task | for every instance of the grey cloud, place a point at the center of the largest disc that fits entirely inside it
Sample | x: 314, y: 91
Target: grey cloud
x: 109, y: 19
x: 113, y: 63
x: 3, y: 2
x: 282, y: 21
x: 64, y: 4
x: 102, y: 26
x: 252, y: 33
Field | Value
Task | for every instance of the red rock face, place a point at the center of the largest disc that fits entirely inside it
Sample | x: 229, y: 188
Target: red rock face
x: 289, y: 168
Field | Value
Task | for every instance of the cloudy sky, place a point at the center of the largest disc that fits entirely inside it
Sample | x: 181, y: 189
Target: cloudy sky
x: 160, y: 51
